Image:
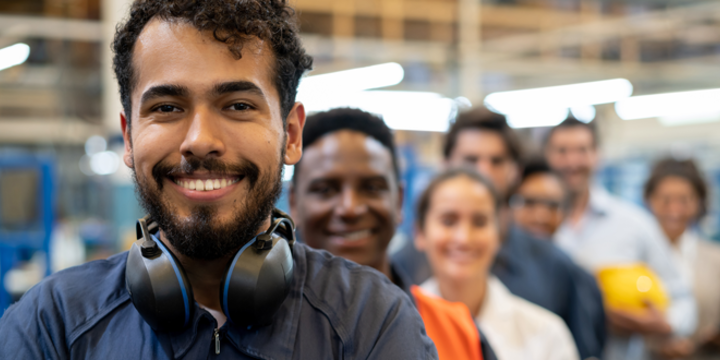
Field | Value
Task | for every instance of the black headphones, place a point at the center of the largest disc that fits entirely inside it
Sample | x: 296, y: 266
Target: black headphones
x: 254, y: 286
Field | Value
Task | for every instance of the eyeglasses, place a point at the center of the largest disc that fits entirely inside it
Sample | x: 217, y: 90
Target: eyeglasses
x: 518, y: 201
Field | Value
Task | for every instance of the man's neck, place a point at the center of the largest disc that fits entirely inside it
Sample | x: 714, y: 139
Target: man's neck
x: 384, y: 267
x: 578, y: 204
x: 205, y: 276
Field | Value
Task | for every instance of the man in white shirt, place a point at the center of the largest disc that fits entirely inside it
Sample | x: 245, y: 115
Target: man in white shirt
x: 602, y: 230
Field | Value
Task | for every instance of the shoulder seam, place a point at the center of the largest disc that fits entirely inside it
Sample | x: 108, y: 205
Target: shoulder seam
x: 92, y: 321
x: 317, y: 302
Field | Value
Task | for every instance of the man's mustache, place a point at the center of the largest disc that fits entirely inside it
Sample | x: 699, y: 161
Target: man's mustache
x: 188, y: 165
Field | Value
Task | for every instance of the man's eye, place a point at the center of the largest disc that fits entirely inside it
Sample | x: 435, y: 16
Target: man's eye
x: 323, y: 190
x: 166, y: 108
x: 240, y: 107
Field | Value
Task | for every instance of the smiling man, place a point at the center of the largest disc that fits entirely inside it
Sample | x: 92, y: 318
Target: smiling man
x: 209, y: 119
x: 347, y: 199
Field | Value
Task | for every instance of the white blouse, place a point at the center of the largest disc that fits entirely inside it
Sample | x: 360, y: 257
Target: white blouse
x: 518, y: 329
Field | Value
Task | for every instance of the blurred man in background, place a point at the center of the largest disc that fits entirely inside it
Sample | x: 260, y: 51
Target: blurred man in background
x: 539, y: 204
x: 346, y: 198
x: 603, y: 230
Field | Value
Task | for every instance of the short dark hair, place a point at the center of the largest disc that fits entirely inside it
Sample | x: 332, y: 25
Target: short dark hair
x: 572, y: 122
x: 685, y: 169
x: 324, y: 123
x: 232, y: 22
x: 533, y: 166
x: 481, y: 118
x: 423, y: 204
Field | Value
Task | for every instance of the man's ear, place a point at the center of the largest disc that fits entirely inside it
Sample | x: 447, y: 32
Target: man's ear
x: 127, y: 139
x: 293, y: 129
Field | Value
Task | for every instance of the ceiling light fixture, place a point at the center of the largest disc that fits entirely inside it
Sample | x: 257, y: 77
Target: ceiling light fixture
x: 677, y: 108
x: 13, y: 55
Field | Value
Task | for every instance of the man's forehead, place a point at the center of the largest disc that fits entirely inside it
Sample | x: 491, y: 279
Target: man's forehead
x: 347, y: 150
x: 165, y: 48
x: 482, y: 141
x: 574, y: 136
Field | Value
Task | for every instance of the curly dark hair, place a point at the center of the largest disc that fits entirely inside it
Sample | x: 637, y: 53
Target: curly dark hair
x: 232, y: 22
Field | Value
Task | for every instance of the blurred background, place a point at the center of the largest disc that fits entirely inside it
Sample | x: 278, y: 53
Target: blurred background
x: 66, y: 197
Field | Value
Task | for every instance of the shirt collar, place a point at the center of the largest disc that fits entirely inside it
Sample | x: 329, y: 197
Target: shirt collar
x: 600, y: 200
x: 274, y: 341
x: 498, y: 300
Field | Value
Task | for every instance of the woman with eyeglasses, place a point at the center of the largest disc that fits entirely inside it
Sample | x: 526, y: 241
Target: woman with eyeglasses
x: 677, y: 195
x: 457, y: 228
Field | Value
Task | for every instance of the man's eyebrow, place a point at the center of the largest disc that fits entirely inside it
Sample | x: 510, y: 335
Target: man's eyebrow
x: 237, y: 86
x: 164, y: 90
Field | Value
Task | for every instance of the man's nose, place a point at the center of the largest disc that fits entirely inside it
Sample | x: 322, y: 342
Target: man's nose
x: 484, y: 167
x: 204, y: 136
x: 351, y: 204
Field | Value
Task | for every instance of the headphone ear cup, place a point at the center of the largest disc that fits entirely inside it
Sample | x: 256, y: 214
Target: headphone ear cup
x: 257, y: 282
x: 159, y: 288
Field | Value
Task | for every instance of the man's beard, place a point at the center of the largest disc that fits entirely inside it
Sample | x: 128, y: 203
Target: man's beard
x: 200, y: 236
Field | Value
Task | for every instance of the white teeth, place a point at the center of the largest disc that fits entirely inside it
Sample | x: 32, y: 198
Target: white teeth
x: 357, y: 235
x: 206, y: 185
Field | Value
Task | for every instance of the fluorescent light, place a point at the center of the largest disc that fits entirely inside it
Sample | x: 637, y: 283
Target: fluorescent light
x: 401, y: 110
x: 537, y: 117
x: 565, y: 96
x: 13, y: 55
x: 353, y: 80
x: 678, y: 108
x: 585, y: 113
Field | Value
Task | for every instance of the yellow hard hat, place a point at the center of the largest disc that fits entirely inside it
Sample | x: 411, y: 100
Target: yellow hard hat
x: 628, y: 287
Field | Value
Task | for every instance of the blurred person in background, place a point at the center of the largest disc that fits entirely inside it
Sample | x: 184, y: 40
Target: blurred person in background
x: 677, y: 195
x: 346, y: 198
x: 602, y: 230
x: 531, y: 268
x: 539, y: 203
x: 459, y: 229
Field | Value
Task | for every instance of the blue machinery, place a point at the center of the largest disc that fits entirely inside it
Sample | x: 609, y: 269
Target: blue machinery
x: 26, y: 180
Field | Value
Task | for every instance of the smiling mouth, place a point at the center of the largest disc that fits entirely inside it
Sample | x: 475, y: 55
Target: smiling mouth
x: 205, y: 184
x: 354, y: 235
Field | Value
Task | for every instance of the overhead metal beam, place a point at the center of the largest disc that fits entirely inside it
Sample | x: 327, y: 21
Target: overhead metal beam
x: 12, y: 26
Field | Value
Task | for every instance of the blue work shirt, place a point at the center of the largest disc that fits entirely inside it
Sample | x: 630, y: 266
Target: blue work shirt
x: 538, y: 271
x: 336, y: 309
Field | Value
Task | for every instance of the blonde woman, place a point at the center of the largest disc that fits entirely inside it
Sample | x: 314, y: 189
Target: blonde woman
x: 457, y: 227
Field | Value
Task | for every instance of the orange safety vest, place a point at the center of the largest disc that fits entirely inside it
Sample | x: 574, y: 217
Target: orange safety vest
x: 450, y: 326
